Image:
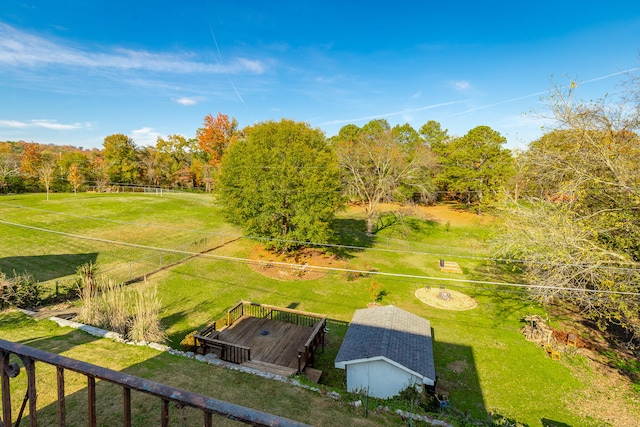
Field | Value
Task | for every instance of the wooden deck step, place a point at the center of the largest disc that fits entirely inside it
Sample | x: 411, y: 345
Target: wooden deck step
x: 270, y: 367
x: 312, y: 374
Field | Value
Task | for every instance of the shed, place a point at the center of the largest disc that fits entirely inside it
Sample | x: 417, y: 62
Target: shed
x: 387, y: 349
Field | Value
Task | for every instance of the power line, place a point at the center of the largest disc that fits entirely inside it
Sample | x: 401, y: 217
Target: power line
x: 321, y: 268
x: 340, y: 246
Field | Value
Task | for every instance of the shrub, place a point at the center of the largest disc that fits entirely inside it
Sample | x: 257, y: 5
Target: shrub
x: 189, y: 340
x: 21, y: 290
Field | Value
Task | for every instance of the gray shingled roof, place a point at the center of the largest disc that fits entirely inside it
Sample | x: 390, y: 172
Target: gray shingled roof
x: 392, y: 333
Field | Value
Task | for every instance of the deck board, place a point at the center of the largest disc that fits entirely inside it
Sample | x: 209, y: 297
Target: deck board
x: 279, y: 347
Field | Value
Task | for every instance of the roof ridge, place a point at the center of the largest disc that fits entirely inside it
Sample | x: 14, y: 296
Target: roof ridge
x: 387, y: 323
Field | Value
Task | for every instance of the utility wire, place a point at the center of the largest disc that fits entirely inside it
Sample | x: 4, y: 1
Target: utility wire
x: 339, y: 246
x: 321, y: 268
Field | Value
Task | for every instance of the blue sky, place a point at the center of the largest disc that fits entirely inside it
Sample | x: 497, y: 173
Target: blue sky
x: 74, y: 72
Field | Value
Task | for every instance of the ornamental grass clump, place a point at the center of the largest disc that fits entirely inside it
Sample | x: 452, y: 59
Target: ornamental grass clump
x: 106, y: 304
x: 144, y: 325
x: 114, y: 306
x: 88, y: 291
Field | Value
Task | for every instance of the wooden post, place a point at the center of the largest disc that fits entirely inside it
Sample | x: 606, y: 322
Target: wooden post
x: 127, y: 406
x: 61, y: 398
x: 6, y: 391
x: 30, y: 366
x: 165, y: 413
x: 91, y: 392
x: 208, y: 422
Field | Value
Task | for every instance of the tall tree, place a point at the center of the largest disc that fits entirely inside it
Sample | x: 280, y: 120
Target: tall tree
x: 46, y: 171
x: 475, y: 165
x: 281, y: 181
x: 9, y: 164
x: 177, y: 156
x: 31, y: 159
x: 121, y: 155
x: 433, y: 134
x: 578, y: 231
x: 376, y: 162
x: 215, y: 137
x: 74, y: 176
x: 98, y: 172
x: 150, y: 160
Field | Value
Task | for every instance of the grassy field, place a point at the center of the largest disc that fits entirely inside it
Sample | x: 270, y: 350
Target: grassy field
x: 482, y: 359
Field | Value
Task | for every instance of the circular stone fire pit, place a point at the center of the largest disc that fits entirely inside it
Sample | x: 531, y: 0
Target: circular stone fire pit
x: 446, y: 299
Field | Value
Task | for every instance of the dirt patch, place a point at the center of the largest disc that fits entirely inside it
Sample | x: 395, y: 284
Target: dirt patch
x: 442, y: 214
x: 446, y: 299
x: 296, y: 265
x: 62, y: 310
x: 459, y: 366
x: 608, y: 395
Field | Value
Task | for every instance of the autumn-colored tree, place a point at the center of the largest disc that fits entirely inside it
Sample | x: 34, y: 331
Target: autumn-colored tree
x: 99, y: 172
x: 45, y: 172
x: 31, y: 159
x: 9, y: 164
x: 74, y: 177
x: 216, y: 135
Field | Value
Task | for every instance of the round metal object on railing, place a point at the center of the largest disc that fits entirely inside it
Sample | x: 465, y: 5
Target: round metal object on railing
x: 12, y: 370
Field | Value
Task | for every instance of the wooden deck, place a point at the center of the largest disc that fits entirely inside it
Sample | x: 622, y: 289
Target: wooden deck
x: 278, y: 346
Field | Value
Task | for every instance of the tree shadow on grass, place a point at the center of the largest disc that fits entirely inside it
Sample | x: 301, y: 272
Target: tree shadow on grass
x: 508, y: 300
x: 349, y: 237
x: 458, y: 378
x: 178, y: 335
x: 546, y: 422
x: 46, y: 267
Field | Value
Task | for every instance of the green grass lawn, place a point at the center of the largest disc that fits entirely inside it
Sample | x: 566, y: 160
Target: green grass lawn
x: 232, y: 386
x: 482, y: 359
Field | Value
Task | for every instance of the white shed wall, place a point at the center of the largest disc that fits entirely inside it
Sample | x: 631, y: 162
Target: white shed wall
x: 383, y: 379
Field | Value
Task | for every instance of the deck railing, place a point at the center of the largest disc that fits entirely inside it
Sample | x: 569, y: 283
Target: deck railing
x: 29, y: 356
x: 306, y: 354
x: 281, y: 314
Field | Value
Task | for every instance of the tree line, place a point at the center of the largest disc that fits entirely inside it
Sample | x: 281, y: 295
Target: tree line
x: 377, y: 162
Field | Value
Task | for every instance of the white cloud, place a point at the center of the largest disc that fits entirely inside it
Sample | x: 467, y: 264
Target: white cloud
x: 18, y: 48
x: 47, y: 124
x: 145, y: 136
x: 250, y: 65
x: 52, y: 124
x: 416, y: 95
x: 187, y: 101
x: 13, y: 124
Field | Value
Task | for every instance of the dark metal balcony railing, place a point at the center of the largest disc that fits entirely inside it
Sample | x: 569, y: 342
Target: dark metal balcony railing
x: 166, y: 394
